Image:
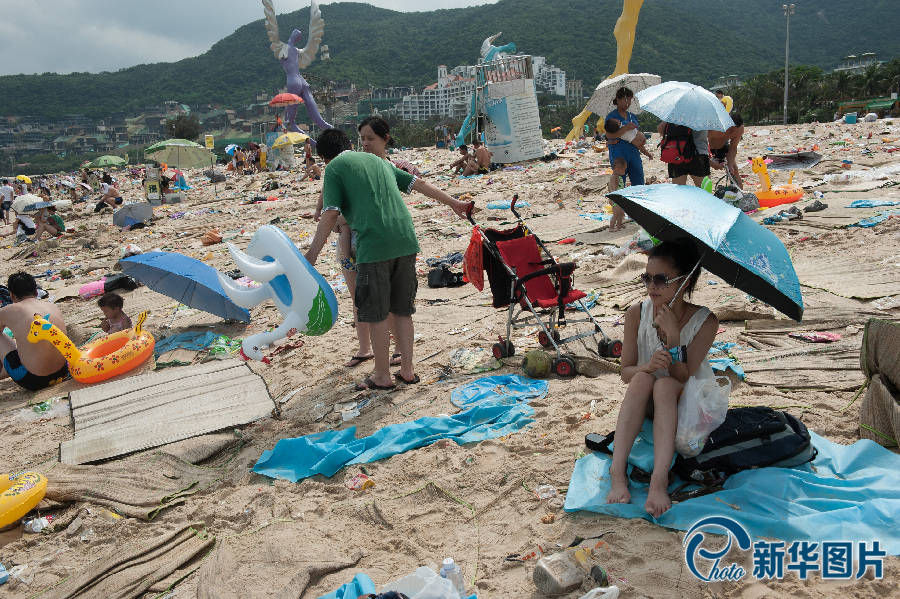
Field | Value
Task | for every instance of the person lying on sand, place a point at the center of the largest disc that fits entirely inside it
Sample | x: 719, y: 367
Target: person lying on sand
x: 33, y: 366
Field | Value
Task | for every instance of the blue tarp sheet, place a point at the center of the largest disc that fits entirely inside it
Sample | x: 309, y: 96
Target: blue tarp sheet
x: 505, y: 204
x: 500, y: 389
x: 721, y: 360
x: 360, y: 585
x: 601, y: 216
x: 872, y: 203
x: 848, y: 493
x: 329, y: 451
x: 195, y: 341
x: 874, y: 220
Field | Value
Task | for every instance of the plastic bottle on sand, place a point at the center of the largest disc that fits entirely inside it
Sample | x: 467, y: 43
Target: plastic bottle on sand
x: 450, y: 570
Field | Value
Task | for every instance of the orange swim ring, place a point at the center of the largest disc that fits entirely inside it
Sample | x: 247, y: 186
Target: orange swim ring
x: 101, y: 359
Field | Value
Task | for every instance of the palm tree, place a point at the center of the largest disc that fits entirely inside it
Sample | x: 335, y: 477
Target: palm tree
x: 842, y: 84
x: 870, y: 81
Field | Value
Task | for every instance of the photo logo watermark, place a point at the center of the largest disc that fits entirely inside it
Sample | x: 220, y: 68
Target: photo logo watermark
x: 832, y: 559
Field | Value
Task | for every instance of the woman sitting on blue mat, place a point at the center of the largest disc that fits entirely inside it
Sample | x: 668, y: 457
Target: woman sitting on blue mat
x: 666, y: 343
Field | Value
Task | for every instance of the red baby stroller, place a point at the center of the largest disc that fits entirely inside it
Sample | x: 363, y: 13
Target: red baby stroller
x: 531, y: 284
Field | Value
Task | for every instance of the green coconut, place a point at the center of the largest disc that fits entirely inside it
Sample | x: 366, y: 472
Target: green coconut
x: 537, y: 364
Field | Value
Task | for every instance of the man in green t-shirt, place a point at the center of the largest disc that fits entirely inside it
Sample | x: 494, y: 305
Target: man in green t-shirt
x: 366, y: 190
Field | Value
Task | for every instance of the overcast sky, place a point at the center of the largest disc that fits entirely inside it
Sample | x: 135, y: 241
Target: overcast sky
x: 65, y: 36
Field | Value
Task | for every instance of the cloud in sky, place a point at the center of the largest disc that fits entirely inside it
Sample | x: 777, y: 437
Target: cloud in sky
x: 66, y: 36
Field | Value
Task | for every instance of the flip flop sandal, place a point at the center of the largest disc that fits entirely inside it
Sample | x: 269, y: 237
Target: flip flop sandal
x: 356, y: 361
x: 395, y: 360
x: 816, y: 206
x: 415, y: 379
x: 367, y: 384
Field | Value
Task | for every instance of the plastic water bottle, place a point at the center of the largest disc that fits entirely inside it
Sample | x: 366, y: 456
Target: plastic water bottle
x: 450, y: 570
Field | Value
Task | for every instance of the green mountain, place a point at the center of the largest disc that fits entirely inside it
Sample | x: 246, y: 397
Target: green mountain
x: 696, y: 41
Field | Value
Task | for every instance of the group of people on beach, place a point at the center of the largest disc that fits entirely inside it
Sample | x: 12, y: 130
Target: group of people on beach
x: 361, y: 201
x: 477, y: 162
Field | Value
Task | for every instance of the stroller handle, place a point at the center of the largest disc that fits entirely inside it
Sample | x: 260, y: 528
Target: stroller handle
x: 469, y: 211
x: 512, y: 206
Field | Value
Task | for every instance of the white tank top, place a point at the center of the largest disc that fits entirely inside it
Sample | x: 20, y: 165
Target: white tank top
x: 648, y: 341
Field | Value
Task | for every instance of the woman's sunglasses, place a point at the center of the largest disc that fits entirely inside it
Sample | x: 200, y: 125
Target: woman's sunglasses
x: 659, y: 281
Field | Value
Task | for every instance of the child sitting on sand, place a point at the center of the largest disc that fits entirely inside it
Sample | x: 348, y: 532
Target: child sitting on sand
x: 633, y: 136
x: 655, y: 378
x: 116, y: 320
x: 616, y: 182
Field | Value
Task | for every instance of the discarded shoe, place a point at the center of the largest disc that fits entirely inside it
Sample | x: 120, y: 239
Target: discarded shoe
x: 815, y: 207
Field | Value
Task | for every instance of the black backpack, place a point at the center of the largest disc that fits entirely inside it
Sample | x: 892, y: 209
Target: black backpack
x: 442, y: 276
x: 677, y: 144
x: 755, y: 437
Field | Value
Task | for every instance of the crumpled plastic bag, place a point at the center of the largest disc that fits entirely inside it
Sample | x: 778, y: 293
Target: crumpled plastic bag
x: 224, y: 345
x: 211, y: 237
x: 701, y: 410
x: 45, y: 410
x: 473, y: 360
x: 424, y: 583
x: 131, y: 250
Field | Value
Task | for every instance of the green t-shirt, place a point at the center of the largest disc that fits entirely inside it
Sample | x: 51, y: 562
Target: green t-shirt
x: 60, y: 226
x: 366, y: 189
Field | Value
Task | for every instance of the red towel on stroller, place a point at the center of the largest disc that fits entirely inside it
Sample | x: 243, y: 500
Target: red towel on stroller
x: 473, y: 267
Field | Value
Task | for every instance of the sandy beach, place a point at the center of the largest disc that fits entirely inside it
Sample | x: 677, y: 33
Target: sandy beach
x: 475, y: 502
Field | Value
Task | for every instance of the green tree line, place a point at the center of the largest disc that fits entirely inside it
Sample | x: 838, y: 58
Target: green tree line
x: 695, y: 41
x: 813, y: 95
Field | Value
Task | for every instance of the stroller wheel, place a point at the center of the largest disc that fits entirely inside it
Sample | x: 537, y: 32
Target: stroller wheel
x: 544, y: 340
x: 503, y: 350
x: 603, y: 348
x: 564, y: 366
x: 615, y: 348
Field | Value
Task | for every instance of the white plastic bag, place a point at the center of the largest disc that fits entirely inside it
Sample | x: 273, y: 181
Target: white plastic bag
x: 424, y: 583
x: 701, y: 409
x: 602, y: 593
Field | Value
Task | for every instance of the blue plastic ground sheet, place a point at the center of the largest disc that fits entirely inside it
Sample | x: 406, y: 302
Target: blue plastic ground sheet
x: 194, y: 341
x: 848, y: 493
x: 502, y: 389
x: 329, y: 451
x: 360, y: 585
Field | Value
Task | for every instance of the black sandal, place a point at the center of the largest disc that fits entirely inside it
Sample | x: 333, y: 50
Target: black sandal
x: 356, y: 361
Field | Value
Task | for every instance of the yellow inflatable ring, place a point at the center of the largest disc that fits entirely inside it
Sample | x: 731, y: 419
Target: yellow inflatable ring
x: 19, y: 493
x: 101, y: 359
x: 776, y: 196
x: 769, y: 196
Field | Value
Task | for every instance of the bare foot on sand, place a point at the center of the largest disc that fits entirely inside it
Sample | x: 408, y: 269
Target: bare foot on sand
x: 657, y: 500
x: 619, y: 492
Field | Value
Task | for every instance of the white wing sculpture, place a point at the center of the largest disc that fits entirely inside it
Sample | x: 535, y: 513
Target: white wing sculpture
x: 316, y: 29
x: 293, y: 59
